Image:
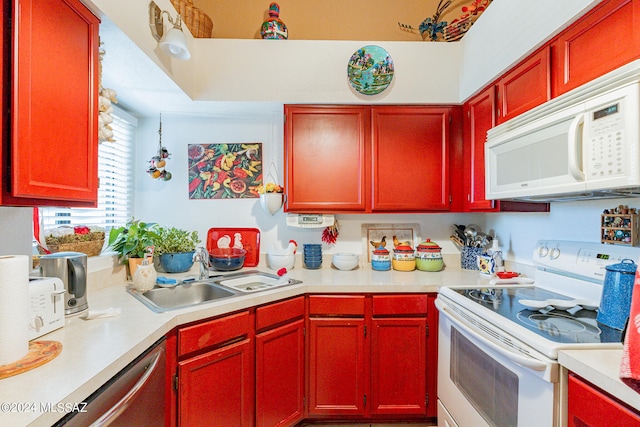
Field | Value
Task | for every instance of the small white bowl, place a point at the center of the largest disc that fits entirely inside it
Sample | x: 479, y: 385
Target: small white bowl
x: 343, y: 261
x: 278, y: 261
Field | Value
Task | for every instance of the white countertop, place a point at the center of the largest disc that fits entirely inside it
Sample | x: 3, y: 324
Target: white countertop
x: 95, y: 350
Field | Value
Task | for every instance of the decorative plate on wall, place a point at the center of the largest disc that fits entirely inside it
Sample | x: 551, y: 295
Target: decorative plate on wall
x: 370, y: 70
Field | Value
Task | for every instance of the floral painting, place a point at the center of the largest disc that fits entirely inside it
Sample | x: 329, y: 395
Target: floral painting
x: 225, y: 170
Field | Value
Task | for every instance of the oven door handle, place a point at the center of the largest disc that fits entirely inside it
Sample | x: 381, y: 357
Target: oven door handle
x: 527, y: 362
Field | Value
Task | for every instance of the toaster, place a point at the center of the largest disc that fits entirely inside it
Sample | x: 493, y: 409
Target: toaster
x: 46, y: 303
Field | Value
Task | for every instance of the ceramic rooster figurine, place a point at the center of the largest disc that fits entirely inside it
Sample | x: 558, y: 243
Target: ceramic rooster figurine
x: 382, y: 242
x: 397, y: 242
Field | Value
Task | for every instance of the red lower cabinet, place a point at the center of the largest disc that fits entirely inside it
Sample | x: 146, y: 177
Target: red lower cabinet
x: 398, y: 366
x: 590, y: 407
x: 215, y: 374
x: 216, y: 388
x: 280, y: 364
x: 368, y: 357
x: 336, y: 366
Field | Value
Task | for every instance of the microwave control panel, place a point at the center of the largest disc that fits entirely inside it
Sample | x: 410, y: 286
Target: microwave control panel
x: 605, y: 130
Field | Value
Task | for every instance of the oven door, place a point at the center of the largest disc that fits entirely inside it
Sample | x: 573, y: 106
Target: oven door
x: 484, y: 382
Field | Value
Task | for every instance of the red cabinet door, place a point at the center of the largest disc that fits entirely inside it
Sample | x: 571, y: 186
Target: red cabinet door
x: 399, y: 366
x: 54, y: 137
x: 601, y: 41
x: 589, y: 407
x: 280, y: 375
x: 325, y: 154
x: 525, y: 86
x: 337, y: 374
x: 410, y: 158
x: 480, y: 117
x: 217, y: 388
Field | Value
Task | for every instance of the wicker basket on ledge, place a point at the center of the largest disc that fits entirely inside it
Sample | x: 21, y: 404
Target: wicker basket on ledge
x: 198, y: 22
x: 92, y: 246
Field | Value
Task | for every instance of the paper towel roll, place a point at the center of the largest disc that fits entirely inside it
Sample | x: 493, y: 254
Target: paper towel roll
x: 14, y: 308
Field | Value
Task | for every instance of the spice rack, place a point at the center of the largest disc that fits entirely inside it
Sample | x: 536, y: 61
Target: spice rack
x: 619, y: 226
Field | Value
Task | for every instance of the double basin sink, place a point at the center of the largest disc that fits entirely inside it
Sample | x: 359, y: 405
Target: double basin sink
x: 188, y: 294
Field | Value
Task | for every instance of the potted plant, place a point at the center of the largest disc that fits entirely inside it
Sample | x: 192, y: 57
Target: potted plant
x: 271, y: 197
x: 174, y: 249
x: 132, y: 240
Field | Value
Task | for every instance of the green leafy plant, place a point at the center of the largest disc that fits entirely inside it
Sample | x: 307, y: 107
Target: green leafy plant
x: 174, y: 240
x: 132, y: 240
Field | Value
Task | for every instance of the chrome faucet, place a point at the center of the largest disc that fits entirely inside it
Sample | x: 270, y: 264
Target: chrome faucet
x: 202, y: 256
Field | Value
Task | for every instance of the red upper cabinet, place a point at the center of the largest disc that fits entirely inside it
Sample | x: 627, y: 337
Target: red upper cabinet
x: 601, y: 41
x: 410, y: 147
x: 50, y: 140
x: 325, y: 151
x: 367, y: 159
x: 525, y: 86
x: 479, y: 118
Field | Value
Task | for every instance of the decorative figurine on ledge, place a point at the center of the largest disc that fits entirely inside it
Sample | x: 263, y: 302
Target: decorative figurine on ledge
x: 274, y: 28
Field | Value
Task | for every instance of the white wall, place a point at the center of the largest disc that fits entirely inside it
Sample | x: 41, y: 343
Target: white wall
x: 579, y: 221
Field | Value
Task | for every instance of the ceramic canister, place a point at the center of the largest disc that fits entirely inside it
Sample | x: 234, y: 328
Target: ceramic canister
x: 429, y: 256
x: 380, y: 259
x: 404, y: 258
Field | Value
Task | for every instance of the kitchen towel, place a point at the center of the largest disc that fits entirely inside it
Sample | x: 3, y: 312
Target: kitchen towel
x: 630, y: 366
x: 14, y: 308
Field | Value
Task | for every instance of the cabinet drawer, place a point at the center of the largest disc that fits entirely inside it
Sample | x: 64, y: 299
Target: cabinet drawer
x: 279, y: 312
x: 390, y: 305
x: 338, y: 305
x: 212, y: 332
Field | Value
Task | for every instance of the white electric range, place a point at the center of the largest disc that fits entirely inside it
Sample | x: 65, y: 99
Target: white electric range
x: 498, y: 348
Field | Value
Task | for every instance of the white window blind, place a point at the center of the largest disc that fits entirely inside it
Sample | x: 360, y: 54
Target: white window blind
x: 115, y: 189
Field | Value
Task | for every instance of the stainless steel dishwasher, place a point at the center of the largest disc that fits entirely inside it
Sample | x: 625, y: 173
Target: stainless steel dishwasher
x: 133, y: 397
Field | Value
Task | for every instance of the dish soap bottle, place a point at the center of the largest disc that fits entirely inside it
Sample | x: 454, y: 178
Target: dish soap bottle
x: 496, y: 254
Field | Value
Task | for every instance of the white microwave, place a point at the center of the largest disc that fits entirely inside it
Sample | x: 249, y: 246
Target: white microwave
x: 584, y: 144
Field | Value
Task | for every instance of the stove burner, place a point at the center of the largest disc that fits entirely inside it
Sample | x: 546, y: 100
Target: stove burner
x: 486, y: 295
x: 556, y: 324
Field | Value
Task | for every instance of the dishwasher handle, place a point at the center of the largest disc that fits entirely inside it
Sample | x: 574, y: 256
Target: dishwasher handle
x: 110, y: 416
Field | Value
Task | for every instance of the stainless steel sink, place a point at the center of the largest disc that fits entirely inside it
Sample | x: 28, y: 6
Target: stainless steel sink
x: 215, y: 288
x: 254, y: 281
x: 183, y: 295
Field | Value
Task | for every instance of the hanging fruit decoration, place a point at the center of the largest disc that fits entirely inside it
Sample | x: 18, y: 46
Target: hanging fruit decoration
x: 331, y: 233
x: 158, y: 162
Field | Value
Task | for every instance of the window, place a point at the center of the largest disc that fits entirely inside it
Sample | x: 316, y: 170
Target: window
x: 115, y: 189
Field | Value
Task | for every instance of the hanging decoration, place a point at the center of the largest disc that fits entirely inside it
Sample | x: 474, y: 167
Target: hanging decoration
x: 158, y: 162
x: 433, y: 29
x: 331, y: 233
x: 271, y: 194
x: 106, y: 97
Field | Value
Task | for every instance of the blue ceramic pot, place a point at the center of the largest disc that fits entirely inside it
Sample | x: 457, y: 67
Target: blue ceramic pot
x: 177, y: 263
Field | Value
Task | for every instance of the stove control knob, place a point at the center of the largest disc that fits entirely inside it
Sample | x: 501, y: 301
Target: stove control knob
x: 543, y: 251
x: 554, y: 253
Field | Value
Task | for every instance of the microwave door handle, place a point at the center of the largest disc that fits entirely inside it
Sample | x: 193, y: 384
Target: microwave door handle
x: 527, y: 362
x: 575, y: 138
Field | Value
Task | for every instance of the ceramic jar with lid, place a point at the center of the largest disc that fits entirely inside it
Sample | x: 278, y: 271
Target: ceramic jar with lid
x: 429, y: 256
x: 380, y: 259
x: 404, y: 258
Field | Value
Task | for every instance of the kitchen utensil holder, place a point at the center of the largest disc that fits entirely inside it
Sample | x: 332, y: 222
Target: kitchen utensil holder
x: 469, y: 257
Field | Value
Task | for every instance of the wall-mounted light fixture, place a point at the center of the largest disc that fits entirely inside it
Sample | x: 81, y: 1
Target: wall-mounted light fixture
x: 173, y: 42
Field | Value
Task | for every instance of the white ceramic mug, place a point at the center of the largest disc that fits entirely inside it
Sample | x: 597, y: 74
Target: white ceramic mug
x: 486, y: 265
